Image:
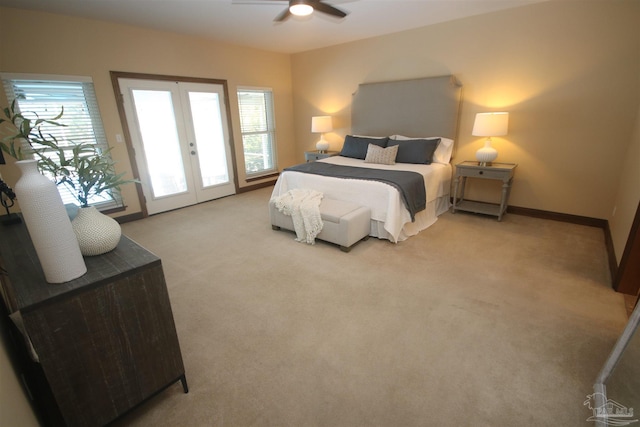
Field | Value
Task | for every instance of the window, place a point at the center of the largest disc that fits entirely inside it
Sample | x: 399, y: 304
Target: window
x: 44, y: 96
x: 258, y: 131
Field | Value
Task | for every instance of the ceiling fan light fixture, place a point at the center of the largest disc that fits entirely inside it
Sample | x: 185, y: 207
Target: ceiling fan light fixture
x: 300, y: 8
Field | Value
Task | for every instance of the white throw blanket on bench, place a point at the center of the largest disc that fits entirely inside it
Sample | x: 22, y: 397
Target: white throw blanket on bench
x: 303, y: 206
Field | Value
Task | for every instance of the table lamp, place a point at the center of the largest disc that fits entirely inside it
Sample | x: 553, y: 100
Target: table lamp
x: 321, y: 124
x: 489, y: 124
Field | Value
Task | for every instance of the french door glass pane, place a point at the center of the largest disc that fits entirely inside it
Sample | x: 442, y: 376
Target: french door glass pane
x: 207, y: 125
x: 157, y: 124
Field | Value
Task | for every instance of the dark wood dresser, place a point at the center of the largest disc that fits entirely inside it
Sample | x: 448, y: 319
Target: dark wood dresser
x: 106, y: 341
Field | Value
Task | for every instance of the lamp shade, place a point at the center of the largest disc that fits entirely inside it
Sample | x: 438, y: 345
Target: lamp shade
x: 321, y: 124
x: 491, y: 124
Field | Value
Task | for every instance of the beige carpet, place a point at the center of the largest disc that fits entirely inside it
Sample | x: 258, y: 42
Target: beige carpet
x: 471, y: 323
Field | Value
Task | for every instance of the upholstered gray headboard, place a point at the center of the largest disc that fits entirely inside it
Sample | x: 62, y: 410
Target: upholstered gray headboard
x: 417, y: 108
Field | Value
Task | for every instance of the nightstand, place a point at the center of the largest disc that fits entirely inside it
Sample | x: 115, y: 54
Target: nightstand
x: 497, y: 171
x: 312, y: 156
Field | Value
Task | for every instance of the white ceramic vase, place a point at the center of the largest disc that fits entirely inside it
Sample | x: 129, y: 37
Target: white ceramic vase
x: 49, y: 226
x: 96, y: 232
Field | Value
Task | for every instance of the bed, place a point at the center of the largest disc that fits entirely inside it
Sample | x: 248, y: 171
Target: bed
x: 403, y: 114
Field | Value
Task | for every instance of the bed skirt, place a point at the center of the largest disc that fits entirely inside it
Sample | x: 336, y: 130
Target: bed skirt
x: 424, y: 219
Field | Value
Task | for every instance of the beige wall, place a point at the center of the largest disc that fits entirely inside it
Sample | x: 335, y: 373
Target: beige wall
x: 568, y: 73
x: 34, y: 42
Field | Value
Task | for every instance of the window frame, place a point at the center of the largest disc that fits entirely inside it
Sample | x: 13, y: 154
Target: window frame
x: 270, y: 130
x: 10, y: 81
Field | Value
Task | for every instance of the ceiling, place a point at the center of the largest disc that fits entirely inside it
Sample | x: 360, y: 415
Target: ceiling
x: 250, y: 22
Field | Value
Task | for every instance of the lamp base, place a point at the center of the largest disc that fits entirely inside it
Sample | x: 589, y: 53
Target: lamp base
x: 12, y: 218
x: 322, y: 146
x: 486, y: 154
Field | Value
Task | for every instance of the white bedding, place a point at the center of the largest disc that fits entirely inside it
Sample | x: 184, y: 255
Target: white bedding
x: 389, y: 217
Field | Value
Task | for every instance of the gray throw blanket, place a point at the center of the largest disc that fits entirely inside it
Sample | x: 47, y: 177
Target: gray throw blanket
x: 409, y: 184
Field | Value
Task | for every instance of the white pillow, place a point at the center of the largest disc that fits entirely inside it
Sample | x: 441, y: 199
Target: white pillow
x: 443, y: 152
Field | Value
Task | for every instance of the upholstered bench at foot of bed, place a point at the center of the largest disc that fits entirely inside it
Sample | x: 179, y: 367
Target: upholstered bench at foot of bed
x: 344, y: 223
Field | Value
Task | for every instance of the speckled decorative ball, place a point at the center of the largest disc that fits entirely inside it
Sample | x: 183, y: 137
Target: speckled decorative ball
x: 96, y: 233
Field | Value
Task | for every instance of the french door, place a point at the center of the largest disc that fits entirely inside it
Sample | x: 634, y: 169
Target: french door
x: 180, y: 136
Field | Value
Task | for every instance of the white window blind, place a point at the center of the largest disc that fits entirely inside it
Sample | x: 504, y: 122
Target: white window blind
x: 45, y: 98
x: 257, y: 125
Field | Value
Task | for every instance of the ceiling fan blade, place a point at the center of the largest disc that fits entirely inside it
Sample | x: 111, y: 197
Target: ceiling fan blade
x: 328, y: 9
x: 282, y: 16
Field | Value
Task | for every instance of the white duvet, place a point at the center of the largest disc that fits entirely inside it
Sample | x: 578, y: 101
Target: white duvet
x: 390, y: 219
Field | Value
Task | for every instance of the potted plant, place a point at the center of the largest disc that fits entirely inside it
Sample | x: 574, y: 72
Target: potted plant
x: 84, y: 168
x: 87, y: 171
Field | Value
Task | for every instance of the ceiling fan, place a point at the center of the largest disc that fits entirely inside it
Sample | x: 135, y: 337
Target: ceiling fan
x: 307, y: 7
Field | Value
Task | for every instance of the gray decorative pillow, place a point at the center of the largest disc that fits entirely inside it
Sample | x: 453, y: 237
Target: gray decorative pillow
x: 415, y: 150
x: 356, y: 147
x: 382, y: 156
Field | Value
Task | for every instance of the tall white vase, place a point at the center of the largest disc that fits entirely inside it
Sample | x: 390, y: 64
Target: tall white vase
x: 49, y: 225
x: 96, y: 233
